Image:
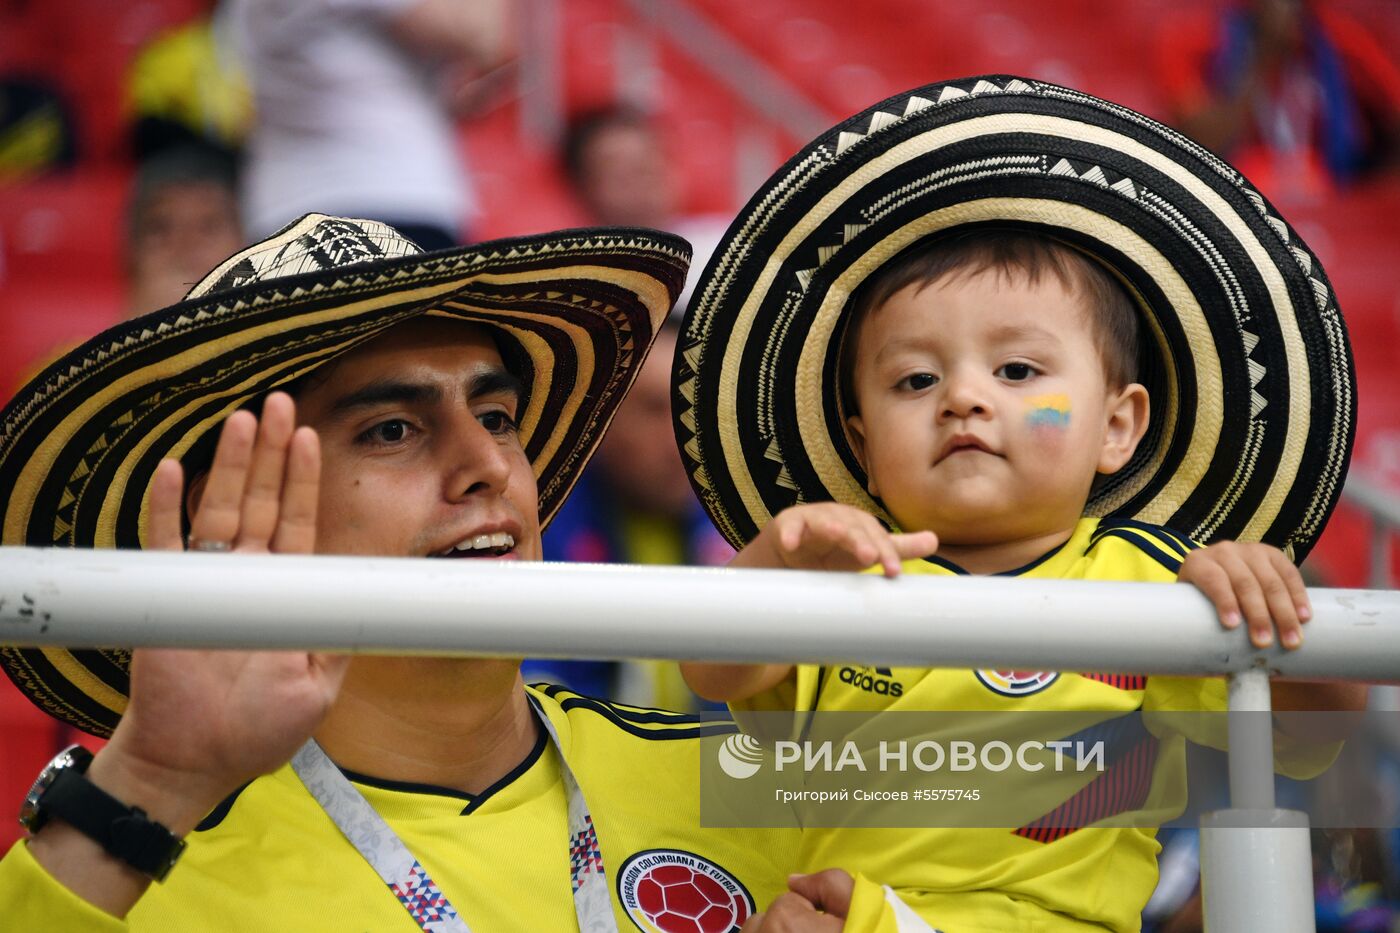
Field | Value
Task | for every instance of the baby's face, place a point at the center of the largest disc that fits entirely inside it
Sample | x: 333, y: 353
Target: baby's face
x: 984, y: 409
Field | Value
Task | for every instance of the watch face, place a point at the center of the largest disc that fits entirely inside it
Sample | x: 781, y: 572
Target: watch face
x: 30, y: 813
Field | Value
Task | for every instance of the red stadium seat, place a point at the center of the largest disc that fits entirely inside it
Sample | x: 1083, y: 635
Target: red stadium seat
x: 64, y: 225
x: 61, y: 276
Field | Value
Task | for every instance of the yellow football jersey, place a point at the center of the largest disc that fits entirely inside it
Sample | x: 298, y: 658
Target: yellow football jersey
x: 1040, y: 876
x: 271, y: 859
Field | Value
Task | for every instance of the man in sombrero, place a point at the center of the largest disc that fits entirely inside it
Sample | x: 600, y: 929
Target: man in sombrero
x: 995, y: 326
x: 334, y: 390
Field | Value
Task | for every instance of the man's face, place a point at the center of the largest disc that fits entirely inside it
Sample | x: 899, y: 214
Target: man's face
x: 984, y: 408
x: 419, y: 449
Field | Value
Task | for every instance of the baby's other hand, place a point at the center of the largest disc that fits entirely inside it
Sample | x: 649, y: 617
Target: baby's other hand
x: 831, y: 536
x: 1255, y: 582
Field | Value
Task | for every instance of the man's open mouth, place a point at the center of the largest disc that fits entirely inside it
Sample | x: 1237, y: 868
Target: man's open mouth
x: 493, y: 545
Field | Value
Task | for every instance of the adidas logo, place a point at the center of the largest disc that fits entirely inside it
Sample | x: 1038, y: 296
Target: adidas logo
x: 881, y: 681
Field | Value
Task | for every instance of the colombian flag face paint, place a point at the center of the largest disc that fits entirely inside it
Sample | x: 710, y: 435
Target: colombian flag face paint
x: 1048, y: 412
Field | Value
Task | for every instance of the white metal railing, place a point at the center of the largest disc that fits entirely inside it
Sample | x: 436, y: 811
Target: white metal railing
x: 398, y: 605
x: 1259, y: 878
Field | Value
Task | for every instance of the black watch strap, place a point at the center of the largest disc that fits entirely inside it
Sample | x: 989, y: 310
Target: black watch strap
x: 125, y: 832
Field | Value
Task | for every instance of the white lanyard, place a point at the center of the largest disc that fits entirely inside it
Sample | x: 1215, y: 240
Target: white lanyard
x: 408, y: 880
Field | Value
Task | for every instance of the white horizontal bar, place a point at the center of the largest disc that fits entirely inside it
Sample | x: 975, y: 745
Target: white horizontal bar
x: 418, y: 606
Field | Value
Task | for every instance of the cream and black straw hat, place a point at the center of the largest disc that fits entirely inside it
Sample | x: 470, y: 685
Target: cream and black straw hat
x: 1253, y: 394
x: 574, y: 312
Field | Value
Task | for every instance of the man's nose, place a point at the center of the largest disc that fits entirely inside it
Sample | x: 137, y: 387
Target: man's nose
x: 474, y: 459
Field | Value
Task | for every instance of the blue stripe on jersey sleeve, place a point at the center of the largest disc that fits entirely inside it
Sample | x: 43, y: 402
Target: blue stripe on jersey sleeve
x: 667, y: 732
x: 636, y: 714
x: 1179, y: 542
x: 634, y: 721
x: 1144, y: 544
x: 1166, y: 537
x: 1184, y: 540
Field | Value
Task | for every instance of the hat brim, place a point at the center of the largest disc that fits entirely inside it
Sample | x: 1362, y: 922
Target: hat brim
x: 1253, y: 392
x: 575, y: 311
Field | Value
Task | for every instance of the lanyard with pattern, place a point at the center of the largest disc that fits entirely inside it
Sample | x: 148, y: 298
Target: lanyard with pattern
x: 408, y: 880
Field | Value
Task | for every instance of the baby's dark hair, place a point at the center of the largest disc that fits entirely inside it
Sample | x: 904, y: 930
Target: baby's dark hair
x: 1008, y: 253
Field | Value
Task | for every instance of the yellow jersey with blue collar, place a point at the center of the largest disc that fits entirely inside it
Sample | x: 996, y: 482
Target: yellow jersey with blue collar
x: 1042, y: 876
x: 270, y: 858
x: 1117, y: 550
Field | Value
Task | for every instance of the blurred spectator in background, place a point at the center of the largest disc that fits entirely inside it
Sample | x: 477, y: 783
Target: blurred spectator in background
x: 633, y: 503
x: 187, y: 86
x: 353, y: 109
x: 36, y: 128
x: 182, y: 221
x: 616, y: 162
x: 1355, y: 882
x: 1357, y: 869
x: 1296, y: 95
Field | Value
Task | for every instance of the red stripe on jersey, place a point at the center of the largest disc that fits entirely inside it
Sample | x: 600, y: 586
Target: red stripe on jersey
x: 1123, y: 786
x: 1121, y: 681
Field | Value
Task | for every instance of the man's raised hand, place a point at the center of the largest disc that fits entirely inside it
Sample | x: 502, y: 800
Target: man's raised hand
x: 199, y: 724
x: 259, y: 495
x: 228, y: 716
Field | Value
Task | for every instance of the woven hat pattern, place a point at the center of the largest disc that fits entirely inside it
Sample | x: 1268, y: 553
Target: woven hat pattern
x: 1253, y: 393
x: 574, y: 314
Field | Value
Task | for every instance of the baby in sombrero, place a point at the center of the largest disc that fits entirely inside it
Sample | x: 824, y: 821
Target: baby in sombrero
x: 1011, y: 329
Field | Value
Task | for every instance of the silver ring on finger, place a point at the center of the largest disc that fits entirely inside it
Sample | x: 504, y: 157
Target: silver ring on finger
x: 199, y: 544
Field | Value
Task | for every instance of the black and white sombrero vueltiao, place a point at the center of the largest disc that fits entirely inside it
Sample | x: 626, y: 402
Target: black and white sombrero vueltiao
x: 1252, y: 387
x: 574, y: 314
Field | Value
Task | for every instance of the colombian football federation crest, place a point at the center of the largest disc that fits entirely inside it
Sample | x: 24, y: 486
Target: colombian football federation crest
x: 672, y: 891
x: 1016, y: 683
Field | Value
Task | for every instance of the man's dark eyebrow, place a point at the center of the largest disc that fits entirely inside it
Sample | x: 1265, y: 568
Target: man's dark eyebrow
x: 386, y: 392
x: 395, y: 392
x: 496, y: 381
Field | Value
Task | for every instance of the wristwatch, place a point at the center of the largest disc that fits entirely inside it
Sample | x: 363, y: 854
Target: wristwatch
x: 64, y: 791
